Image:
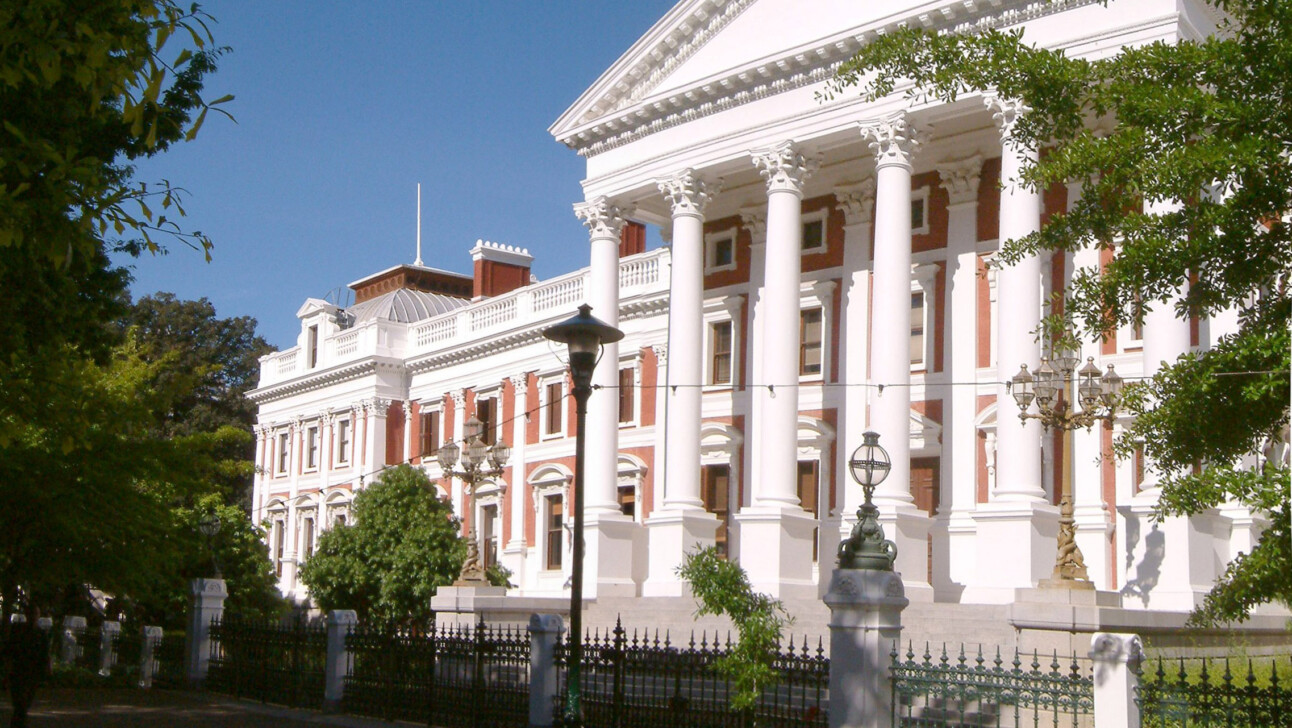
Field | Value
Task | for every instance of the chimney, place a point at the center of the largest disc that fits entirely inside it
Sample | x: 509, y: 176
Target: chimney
x: 499, y: 268
x: 632, y: 239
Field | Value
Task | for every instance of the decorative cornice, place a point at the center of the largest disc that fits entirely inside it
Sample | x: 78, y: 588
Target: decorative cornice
x: 894, y: 140
x: 784, y: 168
x: 638, y: 116
x: 754, y: 219
x: 319, y: 380
x: 960, y: 179
x: 602, y: 218
x: 857, y: 201
x: 687, y: 193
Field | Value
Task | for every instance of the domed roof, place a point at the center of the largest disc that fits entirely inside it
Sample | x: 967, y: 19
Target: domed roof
x: 405, y: 305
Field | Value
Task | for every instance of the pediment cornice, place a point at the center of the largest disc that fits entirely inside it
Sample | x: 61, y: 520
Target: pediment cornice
x: 325, y: 378
x: 620, y: 108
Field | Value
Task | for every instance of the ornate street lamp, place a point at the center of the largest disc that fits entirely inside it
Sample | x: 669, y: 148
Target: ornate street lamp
x: 209, y: 526
x: 479, y: 461
x: 866, y: 547
x: 583, y: 336
x: 1056, y: 392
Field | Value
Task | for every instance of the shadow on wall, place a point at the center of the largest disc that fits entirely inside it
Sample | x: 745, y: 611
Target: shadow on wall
x: 1149, y: 569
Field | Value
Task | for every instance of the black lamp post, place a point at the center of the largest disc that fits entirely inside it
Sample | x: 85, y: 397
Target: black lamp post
x: 583, y: 336
x: 866, y: 547
x: 209, y: 526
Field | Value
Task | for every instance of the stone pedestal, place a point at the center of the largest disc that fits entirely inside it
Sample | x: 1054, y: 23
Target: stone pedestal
x: 908, y: 526
x: 609, y: 563
x: 672, y: 534
x: 776, y: 550
x: 1116, y: 658
x: 1172, y: 563
x: 464, y: 604
x: 69, y: 645
x: 208, y: 604
x: 544, y: 634
x: 340, y: 622
x: 865, y: 623
x: 1016, y: 547
x: 149, y: 639
x: 108, y: 634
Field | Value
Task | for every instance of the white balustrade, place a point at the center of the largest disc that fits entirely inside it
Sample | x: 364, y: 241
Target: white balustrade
x: 433, y: 332
x: 287, y: 361
x: 493, y: 313
x: 563, y: 293
x: 638, y: 272
x: 345, y: 344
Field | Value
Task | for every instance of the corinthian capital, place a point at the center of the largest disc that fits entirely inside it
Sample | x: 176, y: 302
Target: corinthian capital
x: 1006, y: 113
x: 894, y: 140
x: 857, y: 201
x: 755, y: 221
x: 519, y: 383
x: 784, y: 168
x: 687, y: 193
x: 960, y: 179
x: 603, y: 219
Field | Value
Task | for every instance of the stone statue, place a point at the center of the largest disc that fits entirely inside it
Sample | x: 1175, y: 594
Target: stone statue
x: 473, y: 573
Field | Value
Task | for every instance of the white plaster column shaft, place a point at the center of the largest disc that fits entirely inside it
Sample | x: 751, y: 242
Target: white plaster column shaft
x: 1018, y: 444
x: 604, y: 222
x: 456, y: 495
x: 407, y: 406
x: 858, y: 203
x: 516, y: 488
x: 959, y: 442
x: 776, y: 480
x: 754, y: 219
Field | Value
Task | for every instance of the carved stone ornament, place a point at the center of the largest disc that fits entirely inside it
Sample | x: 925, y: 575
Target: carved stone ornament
x: 687, y: 194
x: 519, y: 383
x: 960, y: 179
x: 473, y: 573
x: 844, y: 586
x: 784, y: 168
x: 377, y: 407
x: 459, y: 397
x: 895, y: 140
x: 603, y: 219
x: 1006, y: 113
x: 326, y: 419
x: 661, y: 354
x: 408, y: 410
x: 754, y: 219
x: 857, y: 201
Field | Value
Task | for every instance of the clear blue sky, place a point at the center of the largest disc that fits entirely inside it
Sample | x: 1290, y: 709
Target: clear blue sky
x: 343, y: 107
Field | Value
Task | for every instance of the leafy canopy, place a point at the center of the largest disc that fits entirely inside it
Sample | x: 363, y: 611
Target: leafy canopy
x: 1200, y: 132
x: 401, y: 545
x: 722, y: 588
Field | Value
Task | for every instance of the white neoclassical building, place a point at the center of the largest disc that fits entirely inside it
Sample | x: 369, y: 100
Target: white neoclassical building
x: 829, y: 270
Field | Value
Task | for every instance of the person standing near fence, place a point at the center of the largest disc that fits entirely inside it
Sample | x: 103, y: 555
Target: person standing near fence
x: 26, y: 654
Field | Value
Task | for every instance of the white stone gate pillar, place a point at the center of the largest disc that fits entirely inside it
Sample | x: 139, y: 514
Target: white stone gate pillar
x: 340, y: 622
x: 208, y: 604
x: 865, y: 622
x: 1116, y: 658
x: 544, y: 634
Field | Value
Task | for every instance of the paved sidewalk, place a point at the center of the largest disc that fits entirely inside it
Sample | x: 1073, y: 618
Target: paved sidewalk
x: 127, y: 708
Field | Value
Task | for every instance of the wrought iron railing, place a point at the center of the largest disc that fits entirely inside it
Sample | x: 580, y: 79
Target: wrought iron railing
x: 1254, y: 692
x: 168, y: 661
x: 644, y: 680
x: 958, y: 691
x: 453, y: 676
x: 269, y: 661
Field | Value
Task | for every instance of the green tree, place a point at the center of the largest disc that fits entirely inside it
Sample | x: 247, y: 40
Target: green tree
x: 723, y: 588
x: 1203, y: 124
x: 402, y: 545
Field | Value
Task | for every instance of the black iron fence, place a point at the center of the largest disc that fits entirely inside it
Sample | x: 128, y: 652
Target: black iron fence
x: 648, y: 681
x: 975, y: 691
x: 168, y: 661
x: 273, y: 662
x: 455, y: 676
x: 1250, y: 693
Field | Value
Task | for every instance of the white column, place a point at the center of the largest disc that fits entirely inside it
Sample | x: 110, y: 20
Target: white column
x: 408, y: 432
x: 954, y: 535
x: 1018, y: 521
x: 775, y: 532
x: 259, y: 483
x: 858, y: 203
x: 753, y: 219
x: 326, y: 420
x: 516, y: 489
x: 608, y: 533
x: 459, y: 397
x: 376, y: 409
x: 682, y: 525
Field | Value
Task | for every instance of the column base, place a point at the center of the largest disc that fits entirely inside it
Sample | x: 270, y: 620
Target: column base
x: 615, y: 547
x: 1094, y: 527
x: 671, y: 534
x: 1016, y: 548
x: 962, y: 554
x: 776, y: 550
x: 1172, y: 563
x: 908, y: 527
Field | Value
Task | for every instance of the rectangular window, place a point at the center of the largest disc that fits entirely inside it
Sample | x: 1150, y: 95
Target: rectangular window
x: 720, y: 252
x: 486, y: 412
x: 284, y: 452
x: 917, y: 328
x: 488, y: 536
x: 342, y: 441
x: 720, y: 367
x: 716, y: 481
x: 917, y: 213
x: 312, y: 341
x: 554, y: 532
x: 307, y: 538
x: 280, y: 540
x: 814, y: 234
x: 628, y: 501
x: 810, y: 336
x: 312, y: 448
x: 626, y: 395
x: 555, y: 405
x: 430, y: 433
x: 808, y: 487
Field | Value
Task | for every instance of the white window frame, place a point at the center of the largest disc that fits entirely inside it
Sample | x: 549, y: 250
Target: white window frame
x: 544, y: 382
x: 434, y: 408
x: 282, y: 444
x: 342, y: 456
x: 924, y: 281
x: 823, y: 216
x: 550, y: 483
x: 716, y: 311
x: 819, y: 294
x: 921, y: 195
x: 307, y: 546
x: 489, y: 495
x: 495, y: 394
x: 711, y: 241
x: 317, y: 431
